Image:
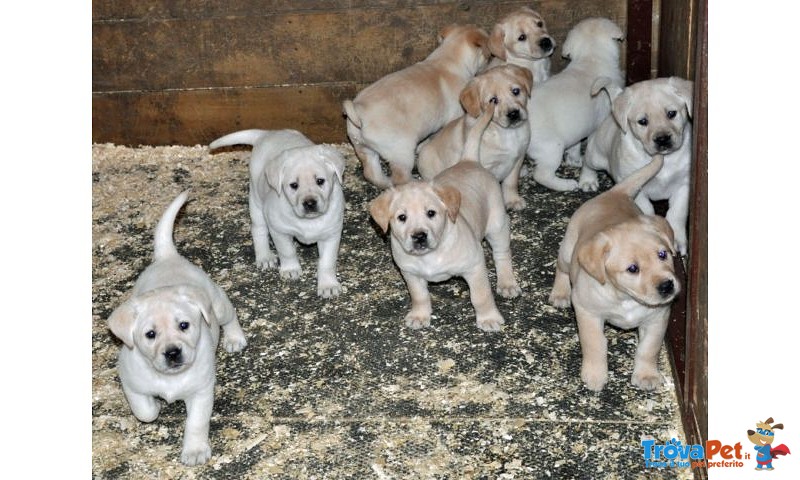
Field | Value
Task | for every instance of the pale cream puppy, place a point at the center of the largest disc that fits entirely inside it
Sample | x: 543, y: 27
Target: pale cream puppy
x: 505, y: 140
x: 170, y: 329
x: 615, y: 265
x: 563, y: 110
x: 295, y: 193
x: 390, y: 117
x: 436, y: 232
x: 648, y: 118
x: 521, y: 38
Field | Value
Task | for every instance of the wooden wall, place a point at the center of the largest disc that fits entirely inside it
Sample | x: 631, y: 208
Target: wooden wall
x: 183, y: 72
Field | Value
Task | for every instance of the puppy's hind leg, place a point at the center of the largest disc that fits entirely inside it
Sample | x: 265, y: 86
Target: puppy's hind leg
x: 233, y: 339
x: 371, y: 164
x: 547, y: 159
x: 562, y: 288
x: 196, y: 449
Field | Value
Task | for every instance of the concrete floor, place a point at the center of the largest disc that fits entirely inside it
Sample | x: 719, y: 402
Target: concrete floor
x: 341, y: 388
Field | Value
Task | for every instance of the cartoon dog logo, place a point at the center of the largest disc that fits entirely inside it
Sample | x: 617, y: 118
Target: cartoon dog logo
x: 763, y: 437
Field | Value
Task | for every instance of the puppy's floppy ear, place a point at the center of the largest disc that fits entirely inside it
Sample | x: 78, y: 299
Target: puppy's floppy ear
x: 333, y: 160
x: 451, y: 199
x: 620, y: 108
x: 274, y: 173
x: 480, y: 39
x: 496, y: 45
x: 661, y: 227
x: 523, y: 76
x: 379, y: 209
x: 592, y: 256
x: 200, y: 299
x: 471, y: 98
x: 122, y: 321
x: 684, y: 89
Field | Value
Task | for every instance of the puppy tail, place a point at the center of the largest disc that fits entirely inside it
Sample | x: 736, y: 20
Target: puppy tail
x: 472, y: 146
x: 633, y: 183
x: 242, y: 137
x: 606, y: 83
x: 164, y: 245
x: 351, y: 113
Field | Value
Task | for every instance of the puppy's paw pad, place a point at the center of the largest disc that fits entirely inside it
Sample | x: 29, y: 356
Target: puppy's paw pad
x: 196, y: 455
x: 647, y: 380
x: 509, y: 291
x: 491, y: 323
x: 329, y: 291
x: 415, y: 322
x: 291, y: 274
x: 594, y: 380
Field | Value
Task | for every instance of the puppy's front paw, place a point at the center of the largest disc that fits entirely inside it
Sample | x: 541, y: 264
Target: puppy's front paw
x: 559, y: 297
x: 491, y: 323
x: 647, y: 379
x: 587, y: 181
x: 589, y: 186
x: 233, y: 343
x: 516, y: 203
x: 681, y: 245
x: 196, y: 454
x: 595, y: 378
x: 510, y: 290
x: 415, y: 321
x: 268, y: 262
x: 291, y: 273
x: 329, y: 290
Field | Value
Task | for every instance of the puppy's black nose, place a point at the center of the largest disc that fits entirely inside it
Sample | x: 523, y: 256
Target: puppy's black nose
x: 420, y: 238
x: 513, y: 116
x: 545, y: 44
x: 663, y: 142
x: 310, y: 205
x: 666, y: 288
x: 173, y: 355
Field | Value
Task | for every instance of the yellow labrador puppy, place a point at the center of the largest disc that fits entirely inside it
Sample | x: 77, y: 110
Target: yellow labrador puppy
x: 502, y: 150
x: 295, y: 193
x: 436, y: 232
x: 390, y: 117
x: 170, y: 329
x: 521, y: 38
x: 563, y: 111
x: 615, y: 265
x: 647, y: 118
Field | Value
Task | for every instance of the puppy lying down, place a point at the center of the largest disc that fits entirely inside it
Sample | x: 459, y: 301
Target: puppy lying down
x: 170, y: 329
x: 436, y: 231
x: 615, y: 265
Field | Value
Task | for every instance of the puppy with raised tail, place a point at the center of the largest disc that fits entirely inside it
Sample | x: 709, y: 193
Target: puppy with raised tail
x: 295, y: 193
x: 615, y: 265
x: 521, y: 38
x: 652, y: 117
x: 390, y: 117
x: 563, y: 110
x: 436, y: 231
x: 170, y: 329
x: 502, y: 150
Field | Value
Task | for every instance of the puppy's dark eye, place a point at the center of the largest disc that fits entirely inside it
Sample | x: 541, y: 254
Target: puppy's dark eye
x: 293, y: 185
x: 633, y: 268
x: 151, y: 334
x: 540, y: 24
x: 184, y: 325
x: 320, y: 181
x: 494, y: 100
x: 402, y: 217
x: 522, y: 37
x: 671, y: 114
x: 431, y: 213
x: 642, y: 121
x: 515, y: 91
x: 662, y: 254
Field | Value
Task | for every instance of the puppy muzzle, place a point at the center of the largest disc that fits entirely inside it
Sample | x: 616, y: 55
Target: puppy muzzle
x: 311, y: 207
x: 546, y: 45
x: 174, y: 357
x: 419, y: 243
x: 663, y: 143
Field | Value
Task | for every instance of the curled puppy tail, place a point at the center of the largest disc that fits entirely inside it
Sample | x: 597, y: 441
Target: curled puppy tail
x: 606, y: 83
x: 164, y: 245
x: 472, y: 146
x: 633, y: 183
x: 351, y: 113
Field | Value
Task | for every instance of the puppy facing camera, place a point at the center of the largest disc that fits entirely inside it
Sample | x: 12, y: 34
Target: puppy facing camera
x: 170, y: 327
x: 615, y: 265
x: 295, y: 193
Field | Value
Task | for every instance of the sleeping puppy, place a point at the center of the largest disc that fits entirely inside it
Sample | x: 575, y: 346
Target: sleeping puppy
x: 502, y: 150
x: 390, y: 117
x: 648, y: 118
x: 615, y: 265
x: 170, y: 329
x: 563, y: 111
x: 295, y: 193
x: 521, y: 38
x: 436, y: 232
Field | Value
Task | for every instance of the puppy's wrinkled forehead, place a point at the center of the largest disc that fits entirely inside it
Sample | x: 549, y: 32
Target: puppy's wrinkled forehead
x: 415, y: 198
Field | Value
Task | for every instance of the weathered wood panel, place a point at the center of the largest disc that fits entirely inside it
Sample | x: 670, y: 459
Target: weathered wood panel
x: 148, y: 54
x: 677, y: 38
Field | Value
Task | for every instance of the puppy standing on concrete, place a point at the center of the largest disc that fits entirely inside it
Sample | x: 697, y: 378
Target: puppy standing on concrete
x: 647, y: 118
x: 615, y: 265
x: 295, y: 193
x: 390, y: 117
x: 436, y: 232
x: 170, y: 327
x: 502, y: 150
x: 521, y: 38
x: 563, y: 111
